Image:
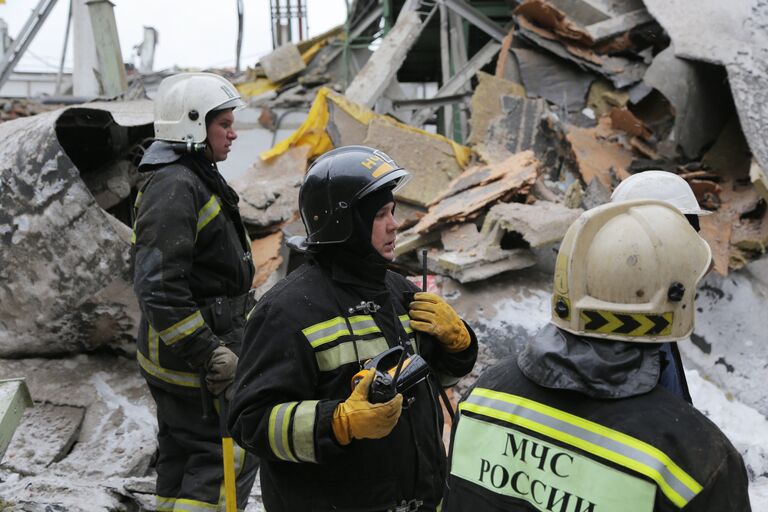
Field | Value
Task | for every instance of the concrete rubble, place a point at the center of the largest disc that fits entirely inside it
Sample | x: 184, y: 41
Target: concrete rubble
x: 539, y: 114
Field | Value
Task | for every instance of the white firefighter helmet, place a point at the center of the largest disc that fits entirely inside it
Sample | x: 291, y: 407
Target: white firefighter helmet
x: 628, y: 271
x: 660, y: 185
x: 185, y: 99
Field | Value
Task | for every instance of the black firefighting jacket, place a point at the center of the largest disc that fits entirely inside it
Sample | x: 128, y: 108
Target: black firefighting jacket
x: 298, y: 360
x: 192, y: 268
x: 520, y: 446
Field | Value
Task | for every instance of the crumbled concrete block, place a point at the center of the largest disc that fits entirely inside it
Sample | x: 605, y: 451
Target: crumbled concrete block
x: 460, y: 237
x: 46, y: 435
x: 284, y: 62
x: 486, y: 102
x: 269, y: 191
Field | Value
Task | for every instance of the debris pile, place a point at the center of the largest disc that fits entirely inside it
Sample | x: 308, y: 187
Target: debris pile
x: 569, y: 101
x: 519, y: 121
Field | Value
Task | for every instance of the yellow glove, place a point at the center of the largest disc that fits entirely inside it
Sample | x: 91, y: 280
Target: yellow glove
x: 357, y: 418
x: 431, y: 314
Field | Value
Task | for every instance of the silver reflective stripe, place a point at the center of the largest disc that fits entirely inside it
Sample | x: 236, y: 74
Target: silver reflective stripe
x: 154, y: 346
x: 343, y: 353
x: 325, y: 332
x: 591, y: 437
x: 182, y: 329
x: 208, y: 212
x: 279, y: 419
x: 406, y: 321
x: 304, y: 431
x: 331, y: 330
x: 188, y: 380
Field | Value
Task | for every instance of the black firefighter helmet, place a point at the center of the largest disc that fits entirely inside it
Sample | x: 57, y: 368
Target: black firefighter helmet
x: 334, y: 183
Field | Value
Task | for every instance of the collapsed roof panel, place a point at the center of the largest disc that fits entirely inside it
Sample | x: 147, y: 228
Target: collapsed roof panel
x: 64, y: 269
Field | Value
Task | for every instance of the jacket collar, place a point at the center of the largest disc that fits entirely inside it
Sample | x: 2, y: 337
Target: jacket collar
x: 598, y: 368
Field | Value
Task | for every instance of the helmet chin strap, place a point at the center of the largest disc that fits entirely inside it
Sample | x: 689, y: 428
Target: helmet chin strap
x: 188, y: 147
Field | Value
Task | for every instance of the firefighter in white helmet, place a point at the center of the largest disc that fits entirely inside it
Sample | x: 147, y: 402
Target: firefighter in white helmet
x: 670, y: 188
x: 578, y: 420
x: 192, y: 273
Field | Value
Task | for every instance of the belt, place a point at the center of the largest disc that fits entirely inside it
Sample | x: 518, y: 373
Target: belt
x: 407, y: 506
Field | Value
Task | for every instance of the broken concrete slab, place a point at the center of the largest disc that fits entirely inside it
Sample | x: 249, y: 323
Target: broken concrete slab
x: 459, y: 237
x: 708, y: 31
x: 696, y: 91
x: 559, y: 81
x: 504, y: 243
x: 511, y: 180
x: 282, y: 63
x: 468, y: 267
x: 516, y: 129
x: 14, y: 398
x: 620, y: 71
x: 538, y: 224
x: 370, y: 82
x: 485, y: 104
x: 117, y: 436
x: 430, y: 160
x: 741, y: 45
x: 65, y: 267
x: 269, y: 191
x: 46, y: 435
x: 343, y: 128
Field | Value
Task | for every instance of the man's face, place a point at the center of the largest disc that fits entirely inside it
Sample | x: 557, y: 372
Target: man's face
x: 383, y: 231
x: 220, y: 136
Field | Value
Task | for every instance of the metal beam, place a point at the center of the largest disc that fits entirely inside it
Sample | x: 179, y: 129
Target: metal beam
x: 476, y: 18
x: 462, y: 76
x: 377, y: 73
x: 22, y: 41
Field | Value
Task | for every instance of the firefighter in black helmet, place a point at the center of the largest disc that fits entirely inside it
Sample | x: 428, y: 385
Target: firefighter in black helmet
x: 323, y: 445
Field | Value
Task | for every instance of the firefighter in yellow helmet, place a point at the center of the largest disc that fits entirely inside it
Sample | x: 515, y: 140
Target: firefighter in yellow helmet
x: 578, y: 421
x: 192, y: 273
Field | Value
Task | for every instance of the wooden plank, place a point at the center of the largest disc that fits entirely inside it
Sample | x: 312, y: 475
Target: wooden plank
x: 14, y: 398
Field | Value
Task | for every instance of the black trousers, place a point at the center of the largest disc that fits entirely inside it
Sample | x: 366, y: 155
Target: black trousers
x: 190, y: 470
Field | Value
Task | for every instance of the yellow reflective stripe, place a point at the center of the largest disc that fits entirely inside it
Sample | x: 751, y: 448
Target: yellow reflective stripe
x: 331, y: 330
x: 133, y: 236
x: 406, y: 321
x: 154, y: 345
x: 182, y: 329
x: 187, y: 505
x: 208, y: 212
x: 163, y: 504
x: 188, y: 380
x: 343, y: 353
x: 279, y: 420
x: 589, y: 436
x: 138, y: 197
x: 304, y: 431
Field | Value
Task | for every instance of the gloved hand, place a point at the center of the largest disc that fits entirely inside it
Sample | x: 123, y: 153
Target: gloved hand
x: 431, y: 314
x: 357, y: 418
x: 220, y: 369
